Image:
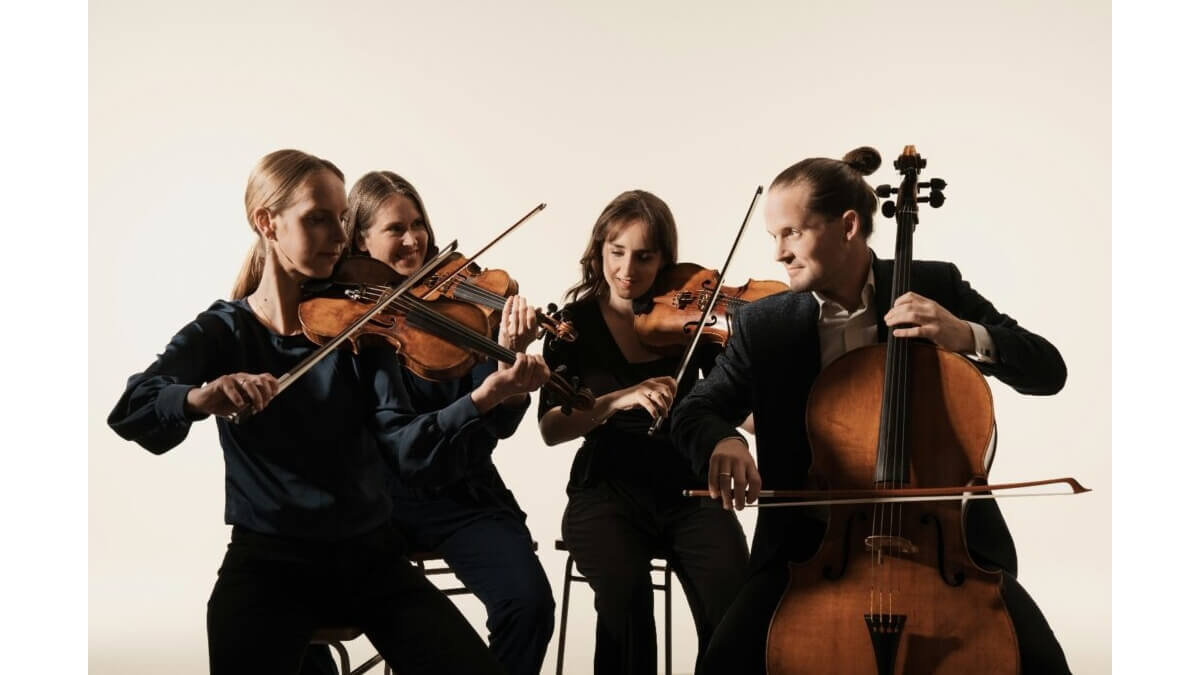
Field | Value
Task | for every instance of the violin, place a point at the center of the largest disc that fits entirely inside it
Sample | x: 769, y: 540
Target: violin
x: 893, y: 588
x: 667, y: 317
x: 437, y: 339
x: 487, y: 289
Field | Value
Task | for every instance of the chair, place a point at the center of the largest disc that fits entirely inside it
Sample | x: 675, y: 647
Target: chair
x: 334, y: 637
x: 568, y: 577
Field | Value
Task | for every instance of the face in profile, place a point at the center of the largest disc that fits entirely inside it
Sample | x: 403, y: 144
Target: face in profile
x: 631, y: 260
x: 397, y: 235
x: 308, y: 236
x: 811, y: 247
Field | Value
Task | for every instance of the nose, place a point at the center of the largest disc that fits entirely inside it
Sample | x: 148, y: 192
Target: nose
x: 782, y: 254
x: 339, y: 235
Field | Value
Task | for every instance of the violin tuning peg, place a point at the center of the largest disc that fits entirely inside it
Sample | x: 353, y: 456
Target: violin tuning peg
x: 937, y: 184
x: 936, y: 199
x: 885, y: 191
x: 551, y: 308
x: 888, y: 209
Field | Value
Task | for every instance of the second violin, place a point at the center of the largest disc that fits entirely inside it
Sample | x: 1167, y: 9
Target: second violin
x: 668, y: 317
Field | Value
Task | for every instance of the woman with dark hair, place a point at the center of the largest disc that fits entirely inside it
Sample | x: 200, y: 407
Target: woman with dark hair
x: 461, y: 509
x: 306, y: 468
x: 625, y: 491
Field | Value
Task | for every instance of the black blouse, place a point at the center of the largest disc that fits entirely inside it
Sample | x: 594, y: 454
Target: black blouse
x: 620, y: 449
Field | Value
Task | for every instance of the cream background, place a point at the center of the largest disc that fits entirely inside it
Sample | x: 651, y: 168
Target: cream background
x: 491, y: 109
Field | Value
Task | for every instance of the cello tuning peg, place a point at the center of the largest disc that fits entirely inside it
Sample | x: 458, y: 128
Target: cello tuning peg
x: 885, y: 191
x: 936, y: 198
x: 888, y: 209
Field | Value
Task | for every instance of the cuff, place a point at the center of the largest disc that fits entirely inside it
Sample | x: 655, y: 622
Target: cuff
x: 171, y: 405
x: 985, y: 349
x: 454, y: 416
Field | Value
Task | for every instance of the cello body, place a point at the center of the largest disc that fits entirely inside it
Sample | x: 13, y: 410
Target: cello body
x: 916, y: 566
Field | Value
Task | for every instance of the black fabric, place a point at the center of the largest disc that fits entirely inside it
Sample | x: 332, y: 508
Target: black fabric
x: 620, y: 449
x: 612, y: 531
x: 315, y: 463
x: 259, y: 623
x: 625, y: 505
x: 478, y: 528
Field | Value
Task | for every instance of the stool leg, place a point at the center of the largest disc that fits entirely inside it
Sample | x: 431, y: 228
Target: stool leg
x: 562, y: 624
x: 667, y: 613
x: 343, y: 657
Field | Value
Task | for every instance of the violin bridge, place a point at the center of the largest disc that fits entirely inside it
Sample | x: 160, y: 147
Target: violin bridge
x: 890, y: 545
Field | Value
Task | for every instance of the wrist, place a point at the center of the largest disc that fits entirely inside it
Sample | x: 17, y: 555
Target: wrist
x: 485, y: 396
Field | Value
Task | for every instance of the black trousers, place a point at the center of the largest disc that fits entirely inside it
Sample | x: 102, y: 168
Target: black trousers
x: 478, y: 528
x: 272, y: 592
x: 613, y: 530
x: 739, y: 645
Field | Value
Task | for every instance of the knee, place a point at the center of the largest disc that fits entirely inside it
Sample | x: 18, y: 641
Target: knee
x: 528, y: 605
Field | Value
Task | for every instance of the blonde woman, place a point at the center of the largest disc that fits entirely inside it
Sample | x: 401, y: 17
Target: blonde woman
x: 306, y: 471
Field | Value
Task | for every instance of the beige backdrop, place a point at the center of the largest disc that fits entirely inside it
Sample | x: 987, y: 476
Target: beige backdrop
x: 494, y: 107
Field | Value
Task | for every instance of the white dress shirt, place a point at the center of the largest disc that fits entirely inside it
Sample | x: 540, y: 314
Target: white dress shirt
x: 840, y: 330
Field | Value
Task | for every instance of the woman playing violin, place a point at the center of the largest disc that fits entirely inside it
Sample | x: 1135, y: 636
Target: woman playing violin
x: 625, y: 503
x: 459, y: 507
x: 306, y: 471
x: 819, y: 213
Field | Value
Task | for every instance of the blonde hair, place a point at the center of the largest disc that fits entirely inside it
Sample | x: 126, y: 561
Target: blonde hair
x: 272, y: 186
x: 368, y: 195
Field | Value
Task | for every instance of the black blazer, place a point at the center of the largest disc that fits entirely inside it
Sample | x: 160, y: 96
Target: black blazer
x: 768, y: 368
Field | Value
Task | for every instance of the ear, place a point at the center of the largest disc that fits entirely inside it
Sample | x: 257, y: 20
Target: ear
x: 263, y: 223
x: 850, y: 225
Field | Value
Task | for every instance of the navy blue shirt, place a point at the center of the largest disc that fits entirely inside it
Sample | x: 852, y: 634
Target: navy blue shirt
x: 472, y: 455
x: 316, y: 463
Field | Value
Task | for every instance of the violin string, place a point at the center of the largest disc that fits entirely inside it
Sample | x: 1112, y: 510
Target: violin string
x: 417, y: 309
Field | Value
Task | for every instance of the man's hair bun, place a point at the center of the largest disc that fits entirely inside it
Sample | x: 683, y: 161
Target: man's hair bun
x: 864, y: 160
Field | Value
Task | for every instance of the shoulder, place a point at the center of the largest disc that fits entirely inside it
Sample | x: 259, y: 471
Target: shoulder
x: 226, y: 316
x: 773, y: 309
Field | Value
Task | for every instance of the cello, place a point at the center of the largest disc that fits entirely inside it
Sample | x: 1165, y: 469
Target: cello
x: 893, y: 588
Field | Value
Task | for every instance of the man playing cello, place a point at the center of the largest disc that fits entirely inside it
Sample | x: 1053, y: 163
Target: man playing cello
x: 819, y: 213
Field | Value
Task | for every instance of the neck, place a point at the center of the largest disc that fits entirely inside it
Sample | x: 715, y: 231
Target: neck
x: 847, y: 291
x: 276, y: 301
x: 618, y: 305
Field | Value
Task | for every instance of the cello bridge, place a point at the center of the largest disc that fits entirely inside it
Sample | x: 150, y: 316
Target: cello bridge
x: 885, y: 544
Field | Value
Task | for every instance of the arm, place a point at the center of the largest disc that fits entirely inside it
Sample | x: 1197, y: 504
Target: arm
x: 1023, y: 360
x: 153, y: 411
x: 703, y: 424
x: 654, y: 395
x: 503, y: 418
x: 1019, y: 358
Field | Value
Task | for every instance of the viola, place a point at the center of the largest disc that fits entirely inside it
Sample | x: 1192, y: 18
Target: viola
x: 667, y: 318
x: 437, y: 339
x: 488, y: 289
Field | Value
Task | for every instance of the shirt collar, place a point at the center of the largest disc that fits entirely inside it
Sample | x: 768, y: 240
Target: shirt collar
x: 830, y: 307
